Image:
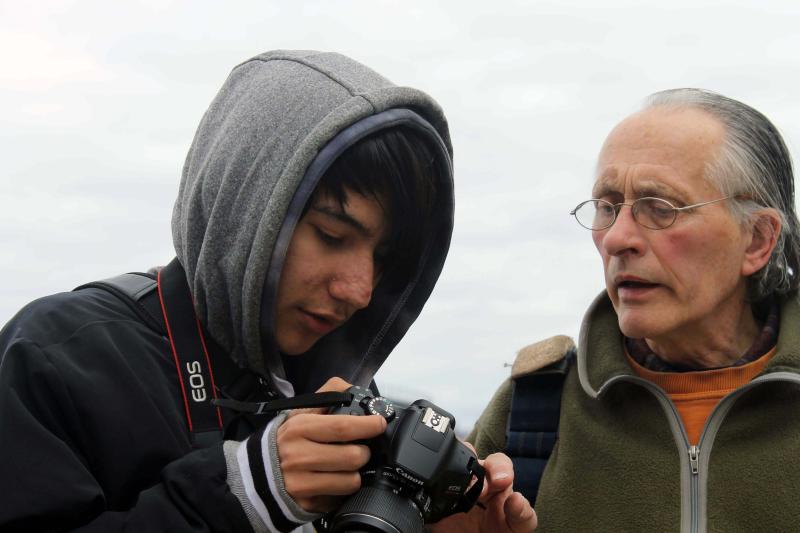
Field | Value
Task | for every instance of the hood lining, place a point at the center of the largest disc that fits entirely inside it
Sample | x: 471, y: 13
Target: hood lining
x: 305, y: 189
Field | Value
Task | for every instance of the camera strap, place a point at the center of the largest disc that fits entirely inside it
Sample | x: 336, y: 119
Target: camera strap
x: 301, y: 401
x: 191, y: 356
x: 470, y: 497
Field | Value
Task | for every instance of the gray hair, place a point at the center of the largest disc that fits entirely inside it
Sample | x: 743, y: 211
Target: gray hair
x: 754, y: 164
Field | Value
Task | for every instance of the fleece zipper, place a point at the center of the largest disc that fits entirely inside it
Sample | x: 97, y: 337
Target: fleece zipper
x: 689, y: 457
x: 694, y: 458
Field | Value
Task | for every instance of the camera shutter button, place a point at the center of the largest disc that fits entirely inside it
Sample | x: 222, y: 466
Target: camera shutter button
x: 381, y: 406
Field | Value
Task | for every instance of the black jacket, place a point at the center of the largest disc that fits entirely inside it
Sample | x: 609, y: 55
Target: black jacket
x: 92, y: 422
x: 94, y: 434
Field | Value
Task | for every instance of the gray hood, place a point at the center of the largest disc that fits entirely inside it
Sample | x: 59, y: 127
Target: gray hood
x: 276, y: 125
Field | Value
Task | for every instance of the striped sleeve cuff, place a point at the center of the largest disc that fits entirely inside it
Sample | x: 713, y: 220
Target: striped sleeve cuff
x: 255, y: 478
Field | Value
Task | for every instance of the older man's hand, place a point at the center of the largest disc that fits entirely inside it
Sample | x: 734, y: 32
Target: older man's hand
x: 503, y: 509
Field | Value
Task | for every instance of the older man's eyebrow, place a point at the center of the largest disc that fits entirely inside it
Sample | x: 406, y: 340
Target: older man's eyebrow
x: 657, y: 189
x: 641, y: 189
x: 343, y: 216
x: 603, y: 188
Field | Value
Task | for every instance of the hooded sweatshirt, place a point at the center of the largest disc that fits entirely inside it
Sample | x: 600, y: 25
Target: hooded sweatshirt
x: 274, y: 128
x: 91, y: 414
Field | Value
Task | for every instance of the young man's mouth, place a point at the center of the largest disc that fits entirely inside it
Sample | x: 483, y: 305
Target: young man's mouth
x: 321, y: 323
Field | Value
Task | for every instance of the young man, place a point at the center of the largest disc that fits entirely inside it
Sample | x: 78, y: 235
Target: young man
x: 294, y: 272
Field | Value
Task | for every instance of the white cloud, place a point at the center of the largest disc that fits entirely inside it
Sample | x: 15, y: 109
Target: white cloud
x: 36, y: 63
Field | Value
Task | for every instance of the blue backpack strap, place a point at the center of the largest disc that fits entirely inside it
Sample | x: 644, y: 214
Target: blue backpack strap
x: 535, y: 409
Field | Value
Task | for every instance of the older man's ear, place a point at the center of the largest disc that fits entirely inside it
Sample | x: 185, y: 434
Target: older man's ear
x: 765, y: 231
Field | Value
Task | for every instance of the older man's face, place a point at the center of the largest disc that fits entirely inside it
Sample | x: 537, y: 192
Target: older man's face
x: 683, y: 280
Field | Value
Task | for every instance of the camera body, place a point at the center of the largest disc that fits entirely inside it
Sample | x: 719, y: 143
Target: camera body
x: 418, y: 472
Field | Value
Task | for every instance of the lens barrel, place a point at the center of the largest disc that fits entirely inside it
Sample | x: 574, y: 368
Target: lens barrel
x: 377, y: 510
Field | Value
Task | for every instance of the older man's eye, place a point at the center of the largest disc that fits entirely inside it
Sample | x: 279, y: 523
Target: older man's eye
x: 658, y: 208
x: 604, y: 209
x: 654, y: 213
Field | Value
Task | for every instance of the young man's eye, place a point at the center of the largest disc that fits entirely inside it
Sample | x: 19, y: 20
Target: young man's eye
x: 327, y: 238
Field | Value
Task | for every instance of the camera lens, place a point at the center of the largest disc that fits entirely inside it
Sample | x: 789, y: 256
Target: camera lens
x: 377, y: 510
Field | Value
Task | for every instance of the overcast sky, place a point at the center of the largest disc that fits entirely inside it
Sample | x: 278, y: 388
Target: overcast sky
x: 99, y: 102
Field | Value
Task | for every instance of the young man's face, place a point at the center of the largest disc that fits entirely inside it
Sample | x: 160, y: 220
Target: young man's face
x: 332, y: 266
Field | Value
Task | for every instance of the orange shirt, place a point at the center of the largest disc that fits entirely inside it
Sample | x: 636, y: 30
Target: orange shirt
x: 696, y: 393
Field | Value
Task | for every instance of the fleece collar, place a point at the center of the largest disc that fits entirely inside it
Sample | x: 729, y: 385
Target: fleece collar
x: 601, y: 360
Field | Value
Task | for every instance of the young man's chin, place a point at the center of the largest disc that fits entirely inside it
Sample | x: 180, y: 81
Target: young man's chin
x: 297, y: 346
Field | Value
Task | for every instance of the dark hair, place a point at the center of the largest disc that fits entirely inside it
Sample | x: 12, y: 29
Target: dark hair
x: 396, y: 167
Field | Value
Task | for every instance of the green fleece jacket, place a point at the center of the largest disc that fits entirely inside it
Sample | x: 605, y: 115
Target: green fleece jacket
x: 623, y: 461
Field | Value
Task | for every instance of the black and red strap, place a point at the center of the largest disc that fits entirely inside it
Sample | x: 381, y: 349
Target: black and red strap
x: 191, y: 356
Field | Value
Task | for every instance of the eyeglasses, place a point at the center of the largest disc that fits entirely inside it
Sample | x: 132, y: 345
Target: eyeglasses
x: 652, y: 213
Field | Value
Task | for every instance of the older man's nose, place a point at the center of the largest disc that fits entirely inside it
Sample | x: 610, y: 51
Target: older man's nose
x: 624, y: 236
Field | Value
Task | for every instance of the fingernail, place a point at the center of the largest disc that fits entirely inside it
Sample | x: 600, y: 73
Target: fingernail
x: 500, y: 475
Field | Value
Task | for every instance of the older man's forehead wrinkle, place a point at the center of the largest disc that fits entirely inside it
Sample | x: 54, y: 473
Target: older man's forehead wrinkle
x: 616, y: 180
x: 637, y: 181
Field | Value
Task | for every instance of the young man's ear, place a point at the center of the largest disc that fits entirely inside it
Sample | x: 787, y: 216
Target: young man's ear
x: 764, y: 235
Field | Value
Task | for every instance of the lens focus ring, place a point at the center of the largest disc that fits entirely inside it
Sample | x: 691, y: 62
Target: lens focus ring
x: 377, y: 510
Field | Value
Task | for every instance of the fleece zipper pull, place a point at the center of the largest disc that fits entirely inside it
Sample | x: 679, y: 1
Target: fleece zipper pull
x: 694, y: 452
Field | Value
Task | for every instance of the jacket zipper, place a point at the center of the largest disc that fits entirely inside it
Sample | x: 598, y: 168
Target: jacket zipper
x: 695, y: 521
x: 694, y: 486
x: 693, y: 452
x: 690, y: 485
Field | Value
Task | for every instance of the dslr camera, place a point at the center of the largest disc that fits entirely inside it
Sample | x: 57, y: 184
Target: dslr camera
x: 418, y: 473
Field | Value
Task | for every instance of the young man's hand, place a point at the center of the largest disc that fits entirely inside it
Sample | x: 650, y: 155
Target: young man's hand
x: 319, y: 461
x: 503, y: 509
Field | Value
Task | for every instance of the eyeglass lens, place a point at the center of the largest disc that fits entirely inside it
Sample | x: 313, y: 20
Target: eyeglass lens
x: 652, y: 213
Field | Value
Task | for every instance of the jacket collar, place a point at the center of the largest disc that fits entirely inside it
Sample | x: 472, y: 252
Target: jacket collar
x: 601, y: 360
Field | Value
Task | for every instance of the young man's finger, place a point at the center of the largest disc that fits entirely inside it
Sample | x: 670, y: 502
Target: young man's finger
x: 311, y: 484
x: 334, y: 428
x: 334, y: 384
x: 317, y: 457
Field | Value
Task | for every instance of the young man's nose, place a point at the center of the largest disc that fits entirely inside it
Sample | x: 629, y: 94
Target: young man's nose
x: 354, y: 283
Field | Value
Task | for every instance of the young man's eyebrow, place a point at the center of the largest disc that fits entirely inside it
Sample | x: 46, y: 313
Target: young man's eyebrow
x: 342, y: 216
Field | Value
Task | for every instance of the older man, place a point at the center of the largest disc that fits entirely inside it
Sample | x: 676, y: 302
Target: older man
x: 682, y: 412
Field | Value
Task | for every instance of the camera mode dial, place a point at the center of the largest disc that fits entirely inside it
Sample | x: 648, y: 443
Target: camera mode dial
x: 380, y: 406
